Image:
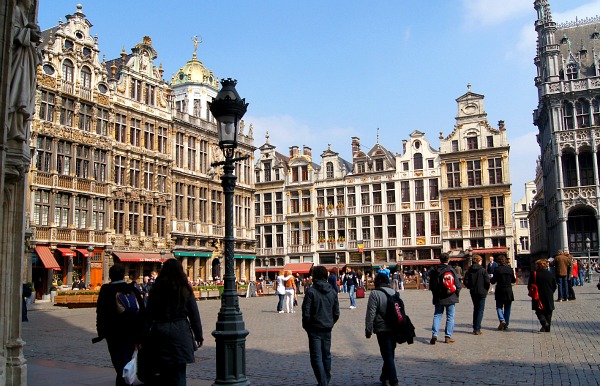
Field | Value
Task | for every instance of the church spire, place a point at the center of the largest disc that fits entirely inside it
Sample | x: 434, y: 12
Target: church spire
x: 547, y: 58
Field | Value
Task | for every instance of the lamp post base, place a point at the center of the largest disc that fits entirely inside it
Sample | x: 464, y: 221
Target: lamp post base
x: 231, y: 355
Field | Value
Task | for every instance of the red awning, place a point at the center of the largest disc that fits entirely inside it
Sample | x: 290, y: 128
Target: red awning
x: 407, y: 263
x: 47, y: 257
x: 458, y: 258
x: 139, y: 257
x: 490, y: 250
x: 298, y: 267
x: 84, y: 252
x: 66, y: 252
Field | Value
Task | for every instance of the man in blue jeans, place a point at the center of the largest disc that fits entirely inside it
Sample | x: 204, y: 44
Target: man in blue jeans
x: 351, y: 282
x: 443, y: 298
x: 320, y: 311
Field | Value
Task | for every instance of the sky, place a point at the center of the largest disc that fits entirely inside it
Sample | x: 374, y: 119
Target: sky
x: 321, y: 72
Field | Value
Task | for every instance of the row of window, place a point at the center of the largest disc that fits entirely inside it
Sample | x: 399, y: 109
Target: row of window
x: 66, y: 210
x: 68, y: 158
x: 583, y: 113
x: 475, y: 210
x: 578, y: 170
x: 474, y: 172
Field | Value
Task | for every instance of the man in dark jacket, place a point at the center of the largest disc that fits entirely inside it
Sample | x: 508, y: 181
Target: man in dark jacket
x: 332, y: 279
x: 320, y: 311
x: 477, y: 281
x: 443, y: 299
x: 504, y: 278
x: 375, y: 322
x: 351, y: 282
x: 122, y: 331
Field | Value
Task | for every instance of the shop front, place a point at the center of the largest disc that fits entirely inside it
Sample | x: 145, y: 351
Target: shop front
x: 44, y: 268
x: 195, y: 263
x: 140, y: 264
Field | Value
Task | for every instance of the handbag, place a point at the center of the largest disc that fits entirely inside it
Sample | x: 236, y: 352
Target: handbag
x: 533, y: 289
x: 131, y: 369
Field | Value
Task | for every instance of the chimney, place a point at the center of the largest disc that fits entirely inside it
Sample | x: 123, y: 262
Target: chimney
x: 355, y: 145
x: 307, y: 151
x: 294, y: 151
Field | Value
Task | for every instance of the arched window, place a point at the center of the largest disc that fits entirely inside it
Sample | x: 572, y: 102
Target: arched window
x: 568, y: 123
x: 582, y: 111
x: 86, y: 77
x: 586, y: 169
x: 569, y: 170
x: 571, y: 71
x: 67, y: 70
x: 329, y: 169
x: 418, y: 161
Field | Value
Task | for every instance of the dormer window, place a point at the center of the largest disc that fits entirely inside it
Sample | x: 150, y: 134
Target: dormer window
x: 472, y: 143
x: 571, y: 71
x: 267, y: 168
x: 360, y: 167
x: 418, y: 161
x: 454, y: 145
x: 329, y: 170
x: 68, y: 44
x: 379, y: 165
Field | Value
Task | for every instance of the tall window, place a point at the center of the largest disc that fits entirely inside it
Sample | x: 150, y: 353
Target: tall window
x: 434, y: 223
x: 135, y: 131
x: 150, y: 94
x: 191, y: 204
x: 476, y: 212
x: 136, y: 90
x: 304, y: 173
x: 329, y: 170
x: 67, y: 112
x: 100, y: 165
x: 490, y: 141
x: 390, y: 191
x: 44, y: 154
x: 149, y: 136
x: 391, y: 226
x: 134, y: 217
x: 85, y: 117
x: 406, y: 225
x: 434, y: 192
x: 81, y: 211
x: 191, y: 161
x: 120, y: 128
x: 102, y: 122
x: 379, y: 164
x: 582, y: 112
x: 568, y: 122
x: 47, y: 106
x: 148, y: 176
x: 377, y: 194
x: 147, y: 219
x: 179, y: 150
x: 203, y: 153
x: 295, y: 233
x: 294, y: 202
x: 455, y: 213
x: 216, y: 207
x: 268, y: 204
x: 366, y: 228
x: 82, y: 161
x: 267, y: 171
x: 474, y: 172
x: 98, y: 210
x: 404, y: 191
x: 41, y: 209
x: 453, y: 174
x: 571, y: 71
x: 419, y: 190
x: 420, y: 224
x: 161, y: 180
x: 134, y: 173
x: 454, y: 146
x: 495, y: 170
x: 119, y: 216
x: 569, y: 169
x: 86, y: 77
x: 179, y: 187
x: 162, y: 139
x: 364, y: 195
x: 305, y: 201
x: 278, y: 203
x: 596, y: 111
x: 61, y: 210
x: 418, y: 161
x: 67, y: 71
x: 306, y: 233
x: 119, y: 170
x: 351, y: 197
x: 586, y: 169
x: 497, y: 208
x: 378, y: 227
x: 63, y: 158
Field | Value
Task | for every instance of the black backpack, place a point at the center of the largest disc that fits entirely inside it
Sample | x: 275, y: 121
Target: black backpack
x: 396, y: 319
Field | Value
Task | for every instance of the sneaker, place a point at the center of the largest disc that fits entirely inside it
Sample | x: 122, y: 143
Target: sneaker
x: 449, y: 340
x: 433, y: 340
x: 352, y: 307
x: 281, y: 312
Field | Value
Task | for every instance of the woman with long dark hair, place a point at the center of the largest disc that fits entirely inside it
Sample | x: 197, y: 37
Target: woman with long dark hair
x: 175, y: 327
x: 546, y: 284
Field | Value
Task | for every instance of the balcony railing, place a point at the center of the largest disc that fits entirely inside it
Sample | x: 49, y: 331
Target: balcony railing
x: 365, y: 209
x: 391, y: 207
x: 377, y: 208
x: 406, y: 241
x: 476, y: 233
x: 436, y: 240
x: 419, y: 205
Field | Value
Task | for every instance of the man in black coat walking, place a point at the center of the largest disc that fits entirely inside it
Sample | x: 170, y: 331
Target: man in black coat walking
x: 504, y: 278
x: 477, y: 281
x: 443, y: 299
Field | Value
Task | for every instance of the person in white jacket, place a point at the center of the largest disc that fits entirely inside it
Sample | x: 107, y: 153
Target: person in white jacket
x: 280, y: 291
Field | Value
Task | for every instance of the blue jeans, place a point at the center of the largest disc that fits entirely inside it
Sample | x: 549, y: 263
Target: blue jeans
x: 581, y: 272
x: 478, y: 307
x: 437, y: 319
x: 503, y: 310
x: 319, y: 347
x: 280, y: 303
x: 563, y: 288
x: 351, y: 292
x: 387, y: 346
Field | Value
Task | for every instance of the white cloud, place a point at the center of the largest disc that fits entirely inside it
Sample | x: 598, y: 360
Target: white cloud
x: 492, y: 12
x: 581, y: 12
x: 285, y: 131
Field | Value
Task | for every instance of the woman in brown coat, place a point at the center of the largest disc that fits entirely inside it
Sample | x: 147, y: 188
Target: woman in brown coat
x: 546, y: 287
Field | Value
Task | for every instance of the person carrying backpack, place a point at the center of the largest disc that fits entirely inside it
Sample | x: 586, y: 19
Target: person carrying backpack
x: 119, y: 319
x: 445, y: 287
x: 375, y: 323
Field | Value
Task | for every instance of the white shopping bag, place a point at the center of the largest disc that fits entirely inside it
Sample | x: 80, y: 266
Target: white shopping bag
x: 130, y: 371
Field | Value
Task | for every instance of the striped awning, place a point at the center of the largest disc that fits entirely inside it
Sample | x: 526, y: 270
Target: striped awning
x: 66, y: 252
x: 47, y: 257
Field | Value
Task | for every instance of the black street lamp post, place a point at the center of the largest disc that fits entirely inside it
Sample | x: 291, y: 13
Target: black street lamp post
x: 88, y: 265
x: 230, y: 333
x: 266, y: 270
x: 588, y: 247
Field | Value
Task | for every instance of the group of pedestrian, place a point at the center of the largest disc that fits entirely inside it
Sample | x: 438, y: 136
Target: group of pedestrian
x: 167, y: 330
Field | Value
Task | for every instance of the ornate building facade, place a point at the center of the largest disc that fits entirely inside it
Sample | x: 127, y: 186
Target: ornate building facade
x: 475, y: 186
x: 123, y: 174
x: 568, y: 120
x: 521, y: 224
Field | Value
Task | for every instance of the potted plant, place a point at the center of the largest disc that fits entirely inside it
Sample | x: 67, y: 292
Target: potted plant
x: 330, y: 206
x: 340, y: 205
x: 321, y: 239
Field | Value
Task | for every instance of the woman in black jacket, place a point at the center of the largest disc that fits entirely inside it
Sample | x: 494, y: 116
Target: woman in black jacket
x: 546, y: 287
x: 477, y: 281
x: 175, y: 327
x: 504, y: 278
